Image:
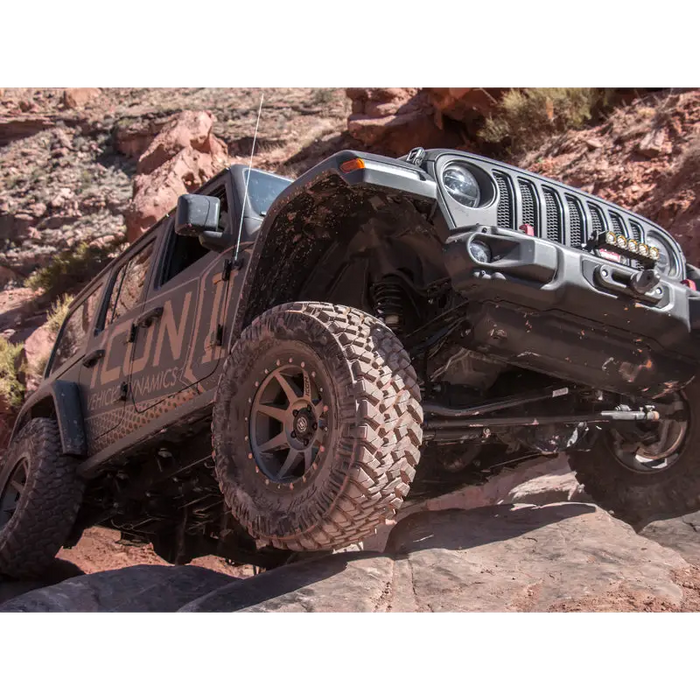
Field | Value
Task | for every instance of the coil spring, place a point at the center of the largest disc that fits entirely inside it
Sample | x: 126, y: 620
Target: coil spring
x: 389, y: 296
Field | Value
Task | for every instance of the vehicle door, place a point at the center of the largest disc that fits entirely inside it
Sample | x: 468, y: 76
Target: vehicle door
x: 105, y: 369
x: 180, y: 341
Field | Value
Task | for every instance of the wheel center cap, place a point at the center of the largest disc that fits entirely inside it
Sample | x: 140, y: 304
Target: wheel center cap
x: 301, y: 424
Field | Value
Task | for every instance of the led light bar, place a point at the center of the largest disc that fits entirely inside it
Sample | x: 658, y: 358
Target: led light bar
x: 617, y: 243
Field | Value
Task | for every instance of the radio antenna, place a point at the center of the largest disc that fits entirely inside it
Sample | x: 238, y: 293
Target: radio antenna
x: 247, y: 179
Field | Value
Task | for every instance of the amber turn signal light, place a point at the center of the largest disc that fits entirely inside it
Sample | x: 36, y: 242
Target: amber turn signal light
x: 355, y: 164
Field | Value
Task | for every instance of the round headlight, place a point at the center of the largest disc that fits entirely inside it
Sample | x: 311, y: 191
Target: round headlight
x: 480, y: 251
x: 665, y: 259
x: 461, y: 185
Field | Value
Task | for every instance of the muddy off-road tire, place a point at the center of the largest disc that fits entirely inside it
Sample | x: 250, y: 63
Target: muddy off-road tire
x: 656, y: 487
x: 40, y: 495
x: 316, y: 426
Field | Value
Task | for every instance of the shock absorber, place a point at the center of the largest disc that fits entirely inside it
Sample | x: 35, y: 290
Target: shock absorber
x: 389, y: 302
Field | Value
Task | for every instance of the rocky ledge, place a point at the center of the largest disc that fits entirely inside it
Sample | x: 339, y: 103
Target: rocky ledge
x: 556, y: 557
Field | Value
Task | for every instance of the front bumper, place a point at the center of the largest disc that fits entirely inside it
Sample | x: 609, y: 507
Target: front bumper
x: 568, y: 313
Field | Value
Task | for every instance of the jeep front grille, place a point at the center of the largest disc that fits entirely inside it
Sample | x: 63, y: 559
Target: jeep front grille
x: 558, y: 214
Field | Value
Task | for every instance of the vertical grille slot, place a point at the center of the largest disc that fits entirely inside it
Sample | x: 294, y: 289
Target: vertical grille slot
x: 617, y: 226
x: 530, y: 204
x: 598, y: 225
x: 576, y: 234
x: 553, y: 208
x: 638, y: 235
x: 505, y: 215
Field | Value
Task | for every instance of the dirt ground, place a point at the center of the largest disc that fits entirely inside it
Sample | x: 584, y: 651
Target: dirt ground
x: 99, y: 550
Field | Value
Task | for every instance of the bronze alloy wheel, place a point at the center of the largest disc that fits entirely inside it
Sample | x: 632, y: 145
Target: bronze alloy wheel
x: 288, y: 420
x: 653, y: 457
x: 642, y: 480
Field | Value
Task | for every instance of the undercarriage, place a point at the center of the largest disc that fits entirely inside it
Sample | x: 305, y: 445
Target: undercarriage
x: 169, y: 496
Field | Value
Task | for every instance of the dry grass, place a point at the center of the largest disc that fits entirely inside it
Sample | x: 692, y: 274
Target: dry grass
x: 54, y: 320
x: 11, y: 388
x: 526, y: 116
x: 57, y: 314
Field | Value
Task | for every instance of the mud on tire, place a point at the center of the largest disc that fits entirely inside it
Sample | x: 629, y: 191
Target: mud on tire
x: 47, y: 495
x: 365, y: 460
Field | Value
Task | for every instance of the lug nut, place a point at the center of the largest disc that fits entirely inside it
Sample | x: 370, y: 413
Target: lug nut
x: 294, y: 412
x: 315, y: 426
x: 294, y: 433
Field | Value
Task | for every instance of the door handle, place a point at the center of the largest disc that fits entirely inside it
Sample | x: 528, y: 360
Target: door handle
x: 147, y: 318
x: 93, y: 358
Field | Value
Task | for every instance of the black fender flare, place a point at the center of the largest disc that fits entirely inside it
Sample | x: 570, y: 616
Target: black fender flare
x: 288, y: 230
x: 65, y: 397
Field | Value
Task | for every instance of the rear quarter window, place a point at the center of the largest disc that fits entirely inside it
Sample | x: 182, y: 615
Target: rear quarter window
x: 73, y: 334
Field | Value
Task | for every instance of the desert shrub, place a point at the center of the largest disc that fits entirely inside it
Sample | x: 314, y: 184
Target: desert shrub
x: 54, y: 320
x: 11, y: 388
x: 525, y: 116
x: 71, y: 269
x: 57, y: 313
x: 323, y: 96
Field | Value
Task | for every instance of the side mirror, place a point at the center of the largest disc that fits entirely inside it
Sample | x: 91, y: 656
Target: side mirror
x: 198, y: 215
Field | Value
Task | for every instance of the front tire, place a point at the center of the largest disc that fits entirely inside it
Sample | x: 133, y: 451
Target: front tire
x: 40, y: 495
x: 316, y: 426
x: 654, y: 482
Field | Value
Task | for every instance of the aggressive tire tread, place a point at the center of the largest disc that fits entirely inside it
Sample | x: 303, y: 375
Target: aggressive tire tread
x: 380, y: 432
x: 49, y: 503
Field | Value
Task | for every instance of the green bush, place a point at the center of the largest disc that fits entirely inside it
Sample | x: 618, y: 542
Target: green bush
x: 71, y: 269
x: 525, y: 116
x: 11, y: 388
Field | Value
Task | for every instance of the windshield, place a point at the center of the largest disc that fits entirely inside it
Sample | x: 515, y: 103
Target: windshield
x: 263, y: 189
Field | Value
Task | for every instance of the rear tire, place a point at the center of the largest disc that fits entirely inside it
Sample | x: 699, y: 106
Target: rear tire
x: 40, y: 495
x: 340, y: 454
x: 643, y: 494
